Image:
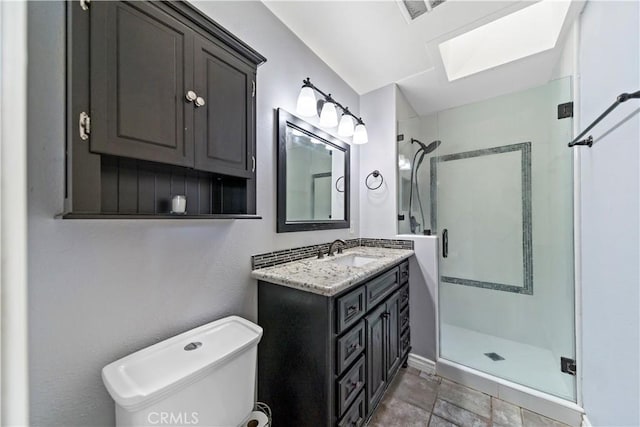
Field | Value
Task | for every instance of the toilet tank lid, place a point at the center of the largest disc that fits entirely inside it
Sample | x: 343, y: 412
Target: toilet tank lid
x: 149, y: 375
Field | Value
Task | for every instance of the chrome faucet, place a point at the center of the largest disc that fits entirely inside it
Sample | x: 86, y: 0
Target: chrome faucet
x: 344, y: 245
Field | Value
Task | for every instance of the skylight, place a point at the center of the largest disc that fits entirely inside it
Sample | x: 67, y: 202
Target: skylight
x: 526, y: 32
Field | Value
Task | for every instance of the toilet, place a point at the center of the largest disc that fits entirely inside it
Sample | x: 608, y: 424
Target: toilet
x: 203, y: 377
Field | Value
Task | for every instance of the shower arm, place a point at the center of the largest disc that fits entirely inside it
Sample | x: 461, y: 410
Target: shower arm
x: 619, y: 100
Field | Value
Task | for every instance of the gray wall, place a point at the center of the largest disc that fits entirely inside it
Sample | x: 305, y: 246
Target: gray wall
x: 99, y: 290
x: 378, y: 212
x: 424, y: 265
x: 609, y: 65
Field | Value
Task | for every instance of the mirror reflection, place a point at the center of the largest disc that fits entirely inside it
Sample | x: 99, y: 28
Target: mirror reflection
x: 315, y: 175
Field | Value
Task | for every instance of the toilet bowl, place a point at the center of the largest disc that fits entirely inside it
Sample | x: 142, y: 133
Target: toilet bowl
x: 203, y: 377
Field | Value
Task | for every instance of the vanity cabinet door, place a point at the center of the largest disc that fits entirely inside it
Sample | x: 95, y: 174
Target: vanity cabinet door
x: 224, y: 114
x: 393, y: 334
x: 376, y: 368
x: 383, y: 347
x: 141, y: 67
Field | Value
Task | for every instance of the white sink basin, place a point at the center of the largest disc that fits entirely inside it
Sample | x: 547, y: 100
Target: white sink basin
x: 354, y: 260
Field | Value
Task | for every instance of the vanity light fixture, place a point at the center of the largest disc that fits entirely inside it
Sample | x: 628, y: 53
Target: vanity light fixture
x: 349, y: 125
x: 329, y: 115
x: 306, y: 106
x: 346, y: 126
x: 360, y: 135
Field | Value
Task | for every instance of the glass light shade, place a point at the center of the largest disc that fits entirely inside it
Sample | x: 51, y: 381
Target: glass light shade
x: 345, y: 128
x: 329, y: 115
x: 360, y: 134
x: 306, y: 106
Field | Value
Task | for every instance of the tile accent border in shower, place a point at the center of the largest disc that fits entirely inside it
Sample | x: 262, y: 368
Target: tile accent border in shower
x: 270, y: 259
x: 527, y: 246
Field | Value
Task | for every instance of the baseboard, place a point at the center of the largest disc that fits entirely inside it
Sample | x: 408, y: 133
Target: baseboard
x: 421, y: 363
x: 585, y: 421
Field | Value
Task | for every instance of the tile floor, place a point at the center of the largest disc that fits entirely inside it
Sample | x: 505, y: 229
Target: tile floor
x: 418, y: 398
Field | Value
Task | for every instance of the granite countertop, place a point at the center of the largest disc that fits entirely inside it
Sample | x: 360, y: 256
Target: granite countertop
x: 327, y: 277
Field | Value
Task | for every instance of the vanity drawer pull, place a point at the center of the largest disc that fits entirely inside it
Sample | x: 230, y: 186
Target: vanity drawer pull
x: 354, y: 384
x: 349, y: 347
x: 404, y: 272
x: 382, y: 286
x: 405, y: 343
x: 350, y: 385
x: 404, y: 318
x: 404, y: 295
x: 350, y: 308
x: 356, y: 414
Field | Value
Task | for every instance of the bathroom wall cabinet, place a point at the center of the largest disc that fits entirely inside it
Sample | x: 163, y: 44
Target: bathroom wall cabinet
x: 328, y: 360
x: 173, y: 104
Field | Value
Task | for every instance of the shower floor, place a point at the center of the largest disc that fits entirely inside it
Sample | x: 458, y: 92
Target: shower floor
x: 523, y: 364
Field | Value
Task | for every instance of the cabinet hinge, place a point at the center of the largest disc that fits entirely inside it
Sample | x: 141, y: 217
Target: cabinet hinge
x: 253, y: 90
x: 84, y: 4
x: 84, y: 126
x: 568, y: 366
x: 253, y: 164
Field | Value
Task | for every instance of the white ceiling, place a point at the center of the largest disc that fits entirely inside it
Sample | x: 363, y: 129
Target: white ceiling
x: 371, y: 44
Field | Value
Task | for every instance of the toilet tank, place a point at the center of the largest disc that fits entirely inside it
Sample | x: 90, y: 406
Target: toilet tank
x: 203, y: 377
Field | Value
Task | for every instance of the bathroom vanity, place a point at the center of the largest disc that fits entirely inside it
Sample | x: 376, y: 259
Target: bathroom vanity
x: 336, y: 331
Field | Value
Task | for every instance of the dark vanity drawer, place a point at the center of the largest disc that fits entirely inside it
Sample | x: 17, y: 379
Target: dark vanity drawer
x: 405, y: 342
x: 404, y: 318
x: 404, y: 295
x: 356, y: 415
x: 350, y: 308
x: 350, y: 385
x: 404, y: 272
x: 349, y: 347
x: 381, y: 286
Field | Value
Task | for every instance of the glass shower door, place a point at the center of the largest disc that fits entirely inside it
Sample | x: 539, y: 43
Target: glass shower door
x: 501, y: 201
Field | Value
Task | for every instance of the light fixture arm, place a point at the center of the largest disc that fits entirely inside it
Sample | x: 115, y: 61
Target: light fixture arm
x: 327, y: 97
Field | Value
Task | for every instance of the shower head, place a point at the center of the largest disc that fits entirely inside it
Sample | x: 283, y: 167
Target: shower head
x: 422, y: 146
x: 427, y: 148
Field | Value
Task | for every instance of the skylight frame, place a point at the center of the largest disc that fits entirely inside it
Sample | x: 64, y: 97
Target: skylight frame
x: 528, y: 31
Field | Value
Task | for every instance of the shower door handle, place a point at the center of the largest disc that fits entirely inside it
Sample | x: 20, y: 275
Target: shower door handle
x: 445, y: 243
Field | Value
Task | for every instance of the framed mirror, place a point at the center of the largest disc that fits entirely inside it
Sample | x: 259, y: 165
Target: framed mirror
x: 313, y: 177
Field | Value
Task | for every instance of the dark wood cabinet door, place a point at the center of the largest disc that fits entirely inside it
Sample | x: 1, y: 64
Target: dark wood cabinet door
x: 224, y: 138
x: 141, y: 68
x: 393, y: 334
x: 376, y: 367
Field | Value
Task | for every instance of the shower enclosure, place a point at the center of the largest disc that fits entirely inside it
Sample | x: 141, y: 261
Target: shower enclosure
x: 498, y: 191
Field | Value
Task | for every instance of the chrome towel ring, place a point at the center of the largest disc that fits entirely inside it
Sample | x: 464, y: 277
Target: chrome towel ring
x: 375, y: 174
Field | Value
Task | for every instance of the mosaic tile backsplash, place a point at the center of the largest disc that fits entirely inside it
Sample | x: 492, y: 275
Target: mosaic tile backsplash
x: 270, y: 259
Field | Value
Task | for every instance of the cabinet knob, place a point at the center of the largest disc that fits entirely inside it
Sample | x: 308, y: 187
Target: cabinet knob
x: 199, y: 101
x: 191, y: 96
